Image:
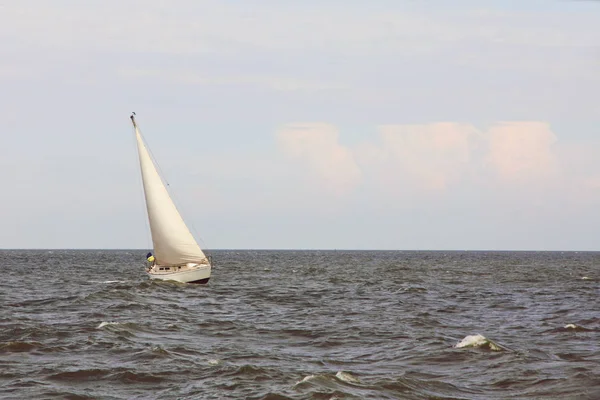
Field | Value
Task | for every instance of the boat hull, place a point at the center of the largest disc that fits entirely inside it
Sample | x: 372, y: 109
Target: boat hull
x: 194, y: 273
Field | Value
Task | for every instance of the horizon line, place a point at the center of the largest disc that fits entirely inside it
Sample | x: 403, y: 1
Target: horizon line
x: 304, y: 249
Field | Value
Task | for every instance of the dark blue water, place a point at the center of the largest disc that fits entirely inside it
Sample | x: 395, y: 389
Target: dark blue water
x: 302, y: 325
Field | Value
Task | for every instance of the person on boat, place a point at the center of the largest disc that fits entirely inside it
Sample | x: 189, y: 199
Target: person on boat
x: 151, y: 261
x: 150, y: 258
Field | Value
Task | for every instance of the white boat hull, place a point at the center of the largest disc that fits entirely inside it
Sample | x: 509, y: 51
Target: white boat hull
x: 189, y: 273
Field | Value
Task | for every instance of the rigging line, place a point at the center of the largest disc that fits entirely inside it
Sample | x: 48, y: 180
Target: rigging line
x: 141, y: 195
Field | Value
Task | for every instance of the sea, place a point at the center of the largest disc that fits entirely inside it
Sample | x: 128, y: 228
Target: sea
x: 88, y: 324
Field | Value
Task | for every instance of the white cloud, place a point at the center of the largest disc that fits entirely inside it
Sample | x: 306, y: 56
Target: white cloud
x: 318, y: 145
x: 431, y: 156
x: 522, y: 151
x: 510, y: 158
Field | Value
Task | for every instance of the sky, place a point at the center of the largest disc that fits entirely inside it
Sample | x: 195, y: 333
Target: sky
x: 282, y: 124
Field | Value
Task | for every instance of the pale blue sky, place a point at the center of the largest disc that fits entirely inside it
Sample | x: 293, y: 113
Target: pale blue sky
x: 280, y: 124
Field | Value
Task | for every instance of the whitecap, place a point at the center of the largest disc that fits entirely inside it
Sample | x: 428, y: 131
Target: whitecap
x: 306, y: 379
x: 346, y: 377
x: 576, y: 327
x: 214, y: 361
x: 104, y: 323
x: 478, y: 341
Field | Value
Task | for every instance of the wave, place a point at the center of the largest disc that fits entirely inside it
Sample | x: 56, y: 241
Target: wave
x: 576, y: 328
x: 71, y: 395
x: 120, y: 375
x: 41, y: 302
x: 258, y: 373
x: 80, y: 375
x: 346, y: 377
x: 328, y: 378
x: 104, y: 323
x: 142, y: 377
x: 478, y: 341
x: 275, y: 396
x: 119, y: 325
x: 570, y: 327
x: 112, y: 281
x: 126, y: 329
x: 19, y: 347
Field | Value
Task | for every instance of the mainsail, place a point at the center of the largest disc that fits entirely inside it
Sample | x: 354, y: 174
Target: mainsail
x: 173, y: 243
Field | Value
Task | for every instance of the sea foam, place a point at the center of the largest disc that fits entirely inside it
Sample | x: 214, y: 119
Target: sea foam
x: 104, y: 323
x: 478, y: 341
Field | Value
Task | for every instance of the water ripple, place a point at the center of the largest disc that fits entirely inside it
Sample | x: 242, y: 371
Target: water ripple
x: 302, y: 325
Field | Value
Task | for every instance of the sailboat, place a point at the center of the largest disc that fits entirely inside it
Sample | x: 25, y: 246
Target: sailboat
x: 177, y: 255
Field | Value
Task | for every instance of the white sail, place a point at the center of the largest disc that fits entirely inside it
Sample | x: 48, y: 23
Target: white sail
x: 173, y: 243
